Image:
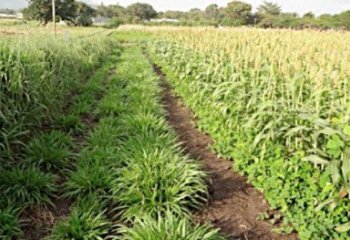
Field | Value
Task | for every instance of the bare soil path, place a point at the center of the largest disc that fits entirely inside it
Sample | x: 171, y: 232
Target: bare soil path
x: 234, y: 204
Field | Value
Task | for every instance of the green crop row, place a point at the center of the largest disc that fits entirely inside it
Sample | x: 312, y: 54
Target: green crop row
x: 132, y: 180
x: 298, y: 157
x: 37, y: 76
x: 41, y: 120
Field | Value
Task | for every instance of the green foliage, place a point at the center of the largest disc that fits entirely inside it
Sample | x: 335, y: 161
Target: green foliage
x: 9, y: 223
x: 27, y: 186
x: 335, y: 146
x: 114, y: 22
x: 41, y: 10
x: 168, y: 227
x: 112, y: 11
x: 157, y: 182
x: 36, y: 77
x: 78, y: 13
x: 238, y: 13
x: 7, y: 11
x: 83, y: 223
x: 71, y: 123
x: 132, y: 161
x: 50, y: 151
x: 298, y: 158
x: 141, y: 11
x: 84, y: 14
x: 92, y: 178
x: 269, y: 8
x: 212, y: 11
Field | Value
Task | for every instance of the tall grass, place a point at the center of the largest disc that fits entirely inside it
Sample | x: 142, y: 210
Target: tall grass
x: 37, y: 75
x: 40, y: 79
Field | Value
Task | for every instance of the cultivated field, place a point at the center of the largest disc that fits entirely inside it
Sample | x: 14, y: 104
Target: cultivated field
x: 277, y: 103
x: 131, y: 133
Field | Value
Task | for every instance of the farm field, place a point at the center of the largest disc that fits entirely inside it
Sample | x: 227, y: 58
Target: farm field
x: 174, y: 133
x: 86, y: 152
x: 277, y: 103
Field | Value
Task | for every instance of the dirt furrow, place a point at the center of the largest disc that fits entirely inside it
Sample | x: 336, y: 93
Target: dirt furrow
x: 234, y: 205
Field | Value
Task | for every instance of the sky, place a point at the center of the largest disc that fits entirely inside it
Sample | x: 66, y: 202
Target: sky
x: 299, y: 6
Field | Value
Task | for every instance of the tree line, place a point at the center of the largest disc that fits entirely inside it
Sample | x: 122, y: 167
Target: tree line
x: 268, y: 15
x: 235, y: 13
x: 7, y: 11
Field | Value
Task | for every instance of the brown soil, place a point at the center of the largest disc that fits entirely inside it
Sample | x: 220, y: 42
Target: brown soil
x: 234, y: 204
x: 39, y: 220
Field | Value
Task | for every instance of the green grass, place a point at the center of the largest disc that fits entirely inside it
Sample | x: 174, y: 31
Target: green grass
x: 9, y: 221
x: 86, y: 221
x: 37, y: 77
x: 90, y: 178
x: 168, y: 227
x: 27, y: 186
x: 158, y: 181
x: 71, y: 123
x: 49, y: 151
x: 45, y: 92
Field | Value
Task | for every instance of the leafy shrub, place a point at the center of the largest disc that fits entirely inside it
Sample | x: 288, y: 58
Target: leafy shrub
x: 114, y: 23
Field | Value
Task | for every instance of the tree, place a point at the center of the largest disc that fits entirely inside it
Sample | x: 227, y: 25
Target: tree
x: 309, y: 15
x: 195, y: 14
x: 173, y: 14
x: 84, y: 13
x: 212, y: 11
x: 238, y: 13
x: 343, y: 20
x: 269, y: 8
x: 141, y: 11
x: 8, y: 11
x: 270, y: 21
x: 66, y: 10
x: 41, y: 10
x: 111, y: 11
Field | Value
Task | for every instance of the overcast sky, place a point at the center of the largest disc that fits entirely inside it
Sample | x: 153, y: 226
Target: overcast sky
x: 300, y: 6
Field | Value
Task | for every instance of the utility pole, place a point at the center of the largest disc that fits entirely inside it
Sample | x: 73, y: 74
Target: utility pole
x: 54, y: 15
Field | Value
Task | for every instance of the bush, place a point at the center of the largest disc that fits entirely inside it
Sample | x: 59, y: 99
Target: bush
x: 114, y: 23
